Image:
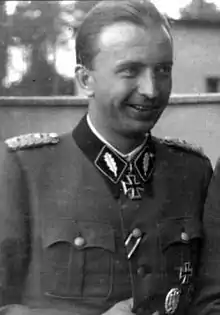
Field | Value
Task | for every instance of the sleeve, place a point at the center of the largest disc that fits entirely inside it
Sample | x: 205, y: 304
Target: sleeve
x: 207, y: 297
x: 14, y: 228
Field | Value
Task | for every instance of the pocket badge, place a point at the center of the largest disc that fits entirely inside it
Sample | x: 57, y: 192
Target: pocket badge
x: 172, y: 300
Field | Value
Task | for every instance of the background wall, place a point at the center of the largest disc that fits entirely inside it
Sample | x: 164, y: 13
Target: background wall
x: 196, y: 55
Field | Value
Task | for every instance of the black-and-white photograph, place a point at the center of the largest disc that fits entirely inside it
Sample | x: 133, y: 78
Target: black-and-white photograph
x: 110, y: 157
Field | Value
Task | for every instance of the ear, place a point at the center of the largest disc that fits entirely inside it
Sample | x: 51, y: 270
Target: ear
x: 85, y: 80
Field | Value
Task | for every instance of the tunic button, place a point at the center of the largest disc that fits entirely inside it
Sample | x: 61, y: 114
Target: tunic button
x: 184, y: 237
x: 141, y: 271
x: 79, y: 241
x: 136, y: 233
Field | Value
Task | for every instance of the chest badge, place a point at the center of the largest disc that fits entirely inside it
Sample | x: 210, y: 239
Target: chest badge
x: 132, y: 187
x: 172, y: 301
x: 186, y: 273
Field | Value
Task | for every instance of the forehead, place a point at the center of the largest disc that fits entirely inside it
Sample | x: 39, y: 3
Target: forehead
x: 126, y: 41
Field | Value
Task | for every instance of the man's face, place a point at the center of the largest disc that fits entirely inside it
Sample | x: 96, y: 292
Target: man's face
x: 131, y: 78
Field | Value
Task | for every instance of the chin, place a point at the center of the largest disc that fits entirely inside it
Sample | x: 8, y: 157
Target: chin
x: 141, y: 131
x: 145, y: 127
x: 138, y: 128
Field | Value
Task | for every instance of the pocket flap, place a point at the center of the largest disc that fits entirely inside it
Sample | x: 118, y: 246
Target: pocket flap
x: 171, y: 231
x: 94, y: 234
x: 97, y: 235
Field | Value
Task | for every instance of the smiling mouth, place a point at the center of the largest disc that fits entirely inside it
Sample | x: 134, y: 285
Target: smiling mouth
x: 143, y: 108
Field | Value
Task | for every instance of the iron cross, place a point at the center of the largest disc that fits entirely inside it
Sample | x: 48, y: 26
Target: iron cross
x: 186, y: 273
x: 132, y: 187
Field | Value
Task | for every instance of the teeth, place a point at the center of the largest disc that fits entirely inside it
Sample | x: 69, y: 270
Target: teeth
x: 140, y: 107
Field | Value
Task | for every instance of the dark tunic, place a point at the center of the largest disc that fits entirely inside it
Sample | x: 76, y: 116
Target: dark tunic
x: 65, y: 220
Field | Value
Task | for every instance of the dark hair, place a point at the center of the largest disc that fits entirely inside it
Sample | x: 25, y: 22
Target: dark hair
x: 106, y: 12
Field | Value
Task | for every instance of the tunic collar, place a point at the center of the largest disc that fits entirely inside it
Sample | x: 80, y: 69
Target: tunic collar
x: 127, y: 156
x: 114, y: 168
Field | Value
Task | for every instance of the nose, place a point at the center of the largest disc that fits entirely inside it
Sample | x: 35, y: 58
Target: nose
x: 146, y: 84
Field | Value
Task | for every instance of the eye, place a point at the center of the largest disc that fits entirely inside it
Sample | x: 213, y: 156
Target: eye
x: 163, y: 69
x: 130, y: 72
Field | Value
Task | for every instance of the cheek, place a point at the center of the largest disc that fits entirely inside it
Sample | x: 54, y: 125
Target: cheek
x: 169, y: 83
x: 165, y: 86
x: 124, y: 88
x: 113, y: 89
x: 101, y: 90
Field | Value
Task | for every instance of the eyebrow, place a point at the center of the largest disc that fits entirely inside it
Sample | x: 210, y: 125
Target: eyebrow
x: 128, y: 63
x: 125, y: 64
x: 167, y: 63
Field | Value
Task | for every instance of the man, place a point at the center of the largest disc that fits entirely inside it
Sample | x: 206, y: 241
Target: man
x: 207, y: 299
x: 106, y: 218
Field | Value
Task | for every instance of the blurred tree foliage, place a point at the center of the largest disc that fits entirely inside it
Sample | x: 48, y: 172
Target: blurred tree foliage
x: 40, y: 27
x: 37, y: 26
x: 201, y: 10
x: 34, y: 26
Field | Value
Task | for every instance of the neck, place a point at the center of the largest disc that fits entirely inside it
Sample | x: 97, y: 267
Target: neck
x: 126, y: 144
x: 123, y: 143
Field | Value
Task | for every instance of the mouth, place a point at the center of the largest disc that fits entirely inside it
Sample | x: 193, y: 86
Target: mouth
x: 143, y: 108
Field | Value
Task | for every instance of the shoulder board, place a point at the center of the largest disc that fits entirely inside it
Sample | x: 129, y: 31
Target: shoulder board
x: 31, y: 140
x: 185, y: 146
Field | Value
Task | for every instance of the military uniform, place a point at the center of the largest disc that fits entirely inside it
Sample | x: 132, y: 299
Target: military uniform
x: 82, y: 228
x: 207, y: 299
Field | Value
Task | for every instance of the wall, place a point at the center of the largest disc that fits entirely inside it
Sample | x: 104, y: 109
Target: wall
x: 197, y: 55
x: 199, y: 125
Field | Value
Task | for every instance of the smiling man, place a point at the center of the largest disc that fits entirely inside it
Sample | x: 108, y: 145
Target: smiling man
x: 130, y: 75
x: 106, y: 218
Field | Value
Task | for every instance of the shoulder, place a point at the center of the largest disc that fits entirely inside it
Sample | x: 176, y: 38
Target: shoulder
x: 183, y: 146
x: 31, y: 140
x: 190, y: 157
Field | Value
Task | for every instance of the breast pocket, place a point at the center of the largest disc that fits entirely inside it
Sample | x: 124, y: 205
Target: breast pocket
x: 77, y: 260
x: 180, y: 241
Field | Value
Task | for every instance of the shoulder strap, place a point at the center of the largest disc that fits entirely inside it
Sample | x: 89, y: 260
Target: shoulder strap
x: 31, y: 140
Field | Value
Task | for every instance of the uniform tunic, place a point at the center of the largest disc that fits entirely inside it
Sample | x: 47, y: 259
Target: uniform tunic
x: 72, y: 239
